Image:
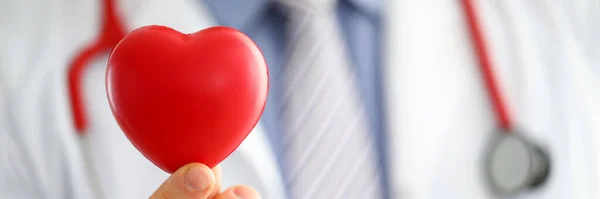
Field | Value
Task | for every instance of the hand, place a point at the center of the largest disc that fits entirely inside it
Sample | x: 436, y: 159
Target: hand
x: 197, y: 181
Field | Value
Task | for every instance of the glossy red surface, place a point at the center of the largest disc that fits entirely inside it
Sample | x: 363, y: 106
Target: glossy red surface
x: 183, y: 98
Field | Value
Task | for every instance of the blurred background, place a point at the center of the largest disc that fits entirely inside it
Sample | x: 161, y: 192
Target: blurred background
x: 368, y: 98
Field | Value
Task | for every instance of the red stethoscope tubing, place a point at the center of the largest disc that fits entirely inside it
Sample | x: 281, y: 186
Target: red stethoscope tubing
x: 501, y: 109
x: 111, y: 32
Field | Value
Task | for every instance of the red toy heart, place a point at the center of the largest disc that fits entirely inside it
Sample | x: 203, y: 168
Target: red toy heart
x: 183, y: 98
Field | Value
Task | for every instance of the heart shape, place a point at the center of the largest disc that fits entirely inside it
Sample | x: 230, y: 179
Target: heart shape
x: 183, y: 98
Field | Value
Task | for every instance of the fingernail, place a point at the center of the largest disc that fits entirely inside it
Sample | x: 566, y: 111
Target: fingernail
x: 199, y: 179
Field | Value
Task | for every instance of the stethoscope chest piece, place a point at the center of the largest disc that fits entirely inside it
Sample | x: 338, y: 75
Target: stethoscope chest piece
x: 515, y: 164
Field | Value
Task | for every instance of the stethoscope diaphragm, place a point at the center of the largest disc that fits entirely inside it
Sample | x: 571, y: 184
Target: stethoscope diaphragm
x: 514, y: 164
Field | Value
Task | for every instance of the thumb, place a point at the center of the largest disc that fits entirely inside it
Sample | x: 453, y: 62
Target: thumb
x: 190, y: 181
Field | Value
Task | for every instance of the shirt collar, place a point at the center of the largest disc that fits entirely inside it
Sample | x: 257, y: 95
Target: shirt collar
x: 370, y: 7
x: 237, y: 13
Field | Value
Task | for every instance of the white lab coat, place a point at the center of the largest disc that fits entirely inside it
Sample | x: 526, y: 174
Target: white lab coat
x: 439, y: 116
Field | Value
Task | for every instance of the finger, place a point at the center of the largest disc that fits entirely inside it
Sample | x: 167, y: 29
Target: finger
x: 190, y: 181
x: 239, y: 192
x: 217, y: 188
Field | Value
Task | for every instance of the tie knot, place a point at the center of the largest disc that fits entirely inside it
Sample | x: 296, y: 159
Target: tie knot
x: 307, y: 6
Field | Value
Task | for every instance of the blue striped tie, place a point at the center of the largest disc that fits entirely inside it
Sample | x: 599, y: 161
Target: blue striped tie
x: 329, y: 149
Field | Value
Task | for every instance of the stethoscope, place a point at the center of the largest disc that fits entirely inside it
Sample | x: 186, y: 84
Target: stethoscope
x: 111, y: 32
x: 513, y: 163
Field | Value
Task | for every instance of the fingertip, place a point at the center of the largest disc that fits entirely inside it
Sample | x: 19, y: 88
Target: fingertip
x: 246, y: 192
x: 239, y: 192
x: 190, y: 181
x: 198, y: 178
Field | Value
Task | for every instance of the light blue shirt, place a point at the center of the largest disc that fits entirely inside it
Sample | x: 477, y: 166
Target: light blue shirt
x: 361, y: 24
